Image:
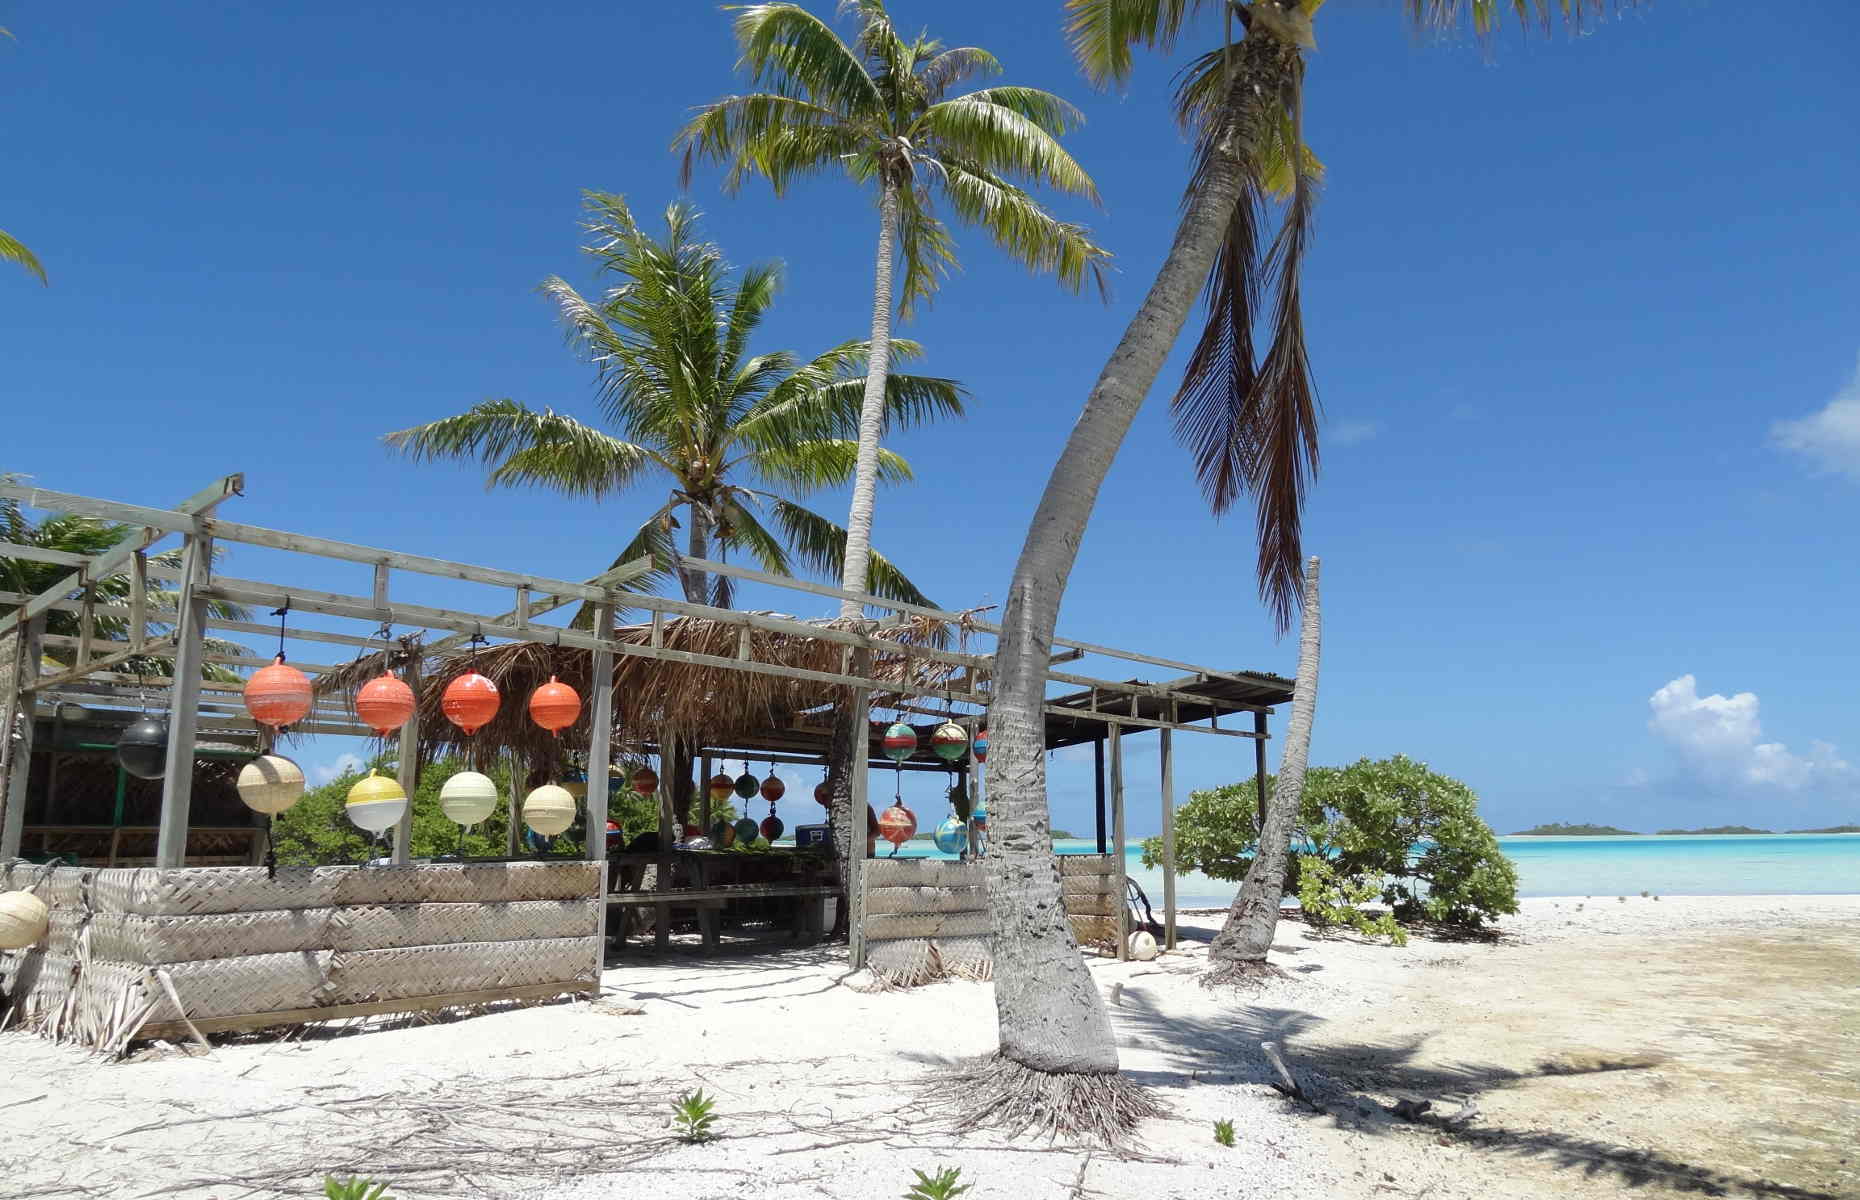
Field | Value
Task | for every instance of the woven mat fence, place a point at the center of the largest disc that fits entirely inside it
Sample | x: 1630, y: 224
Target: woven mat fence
x: 131, y: 946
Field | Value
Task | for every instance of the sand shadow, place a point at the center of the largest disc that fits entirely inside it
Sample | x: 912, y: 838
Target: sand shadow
x: 1349, y: 1081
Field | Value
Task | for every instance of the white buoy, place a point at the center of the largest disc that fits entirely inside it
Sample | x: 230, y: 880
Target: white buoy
x: 1142, y: 946
x: 270, y: 784
x: 23, y: 920
x: 549, y: 809
x: 468, y: 798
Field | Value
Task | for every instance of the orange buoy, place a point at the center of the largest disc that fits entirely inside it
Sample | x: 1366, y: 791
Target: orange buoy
x: 773, y: 788
x: 721, y: 787
x: 823, y: 794
x: 470, y: 701
x: 384, y: 703
x: 278, y: 695
x: 645, y: 781
x: 555, y: 706
x: 896, y: 824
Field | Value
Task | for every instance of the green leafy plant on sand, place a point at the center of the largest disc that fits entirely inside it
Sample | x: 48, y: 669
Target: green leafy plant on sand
x: 943, y: 1185
x: 693, y: 1114
x: 1390, y: 830
x: 354, y: 1188
x: 1328, y: 898
x: 1224, y: 1132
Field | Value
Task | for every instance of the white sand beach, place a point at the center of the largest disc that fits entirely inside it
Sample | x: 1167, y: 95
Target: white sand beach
x: 1700, y: 1044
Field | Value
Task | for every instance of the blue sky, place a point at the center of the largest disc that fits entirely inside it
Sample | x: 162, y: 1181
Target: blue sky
x: 1583, y: 316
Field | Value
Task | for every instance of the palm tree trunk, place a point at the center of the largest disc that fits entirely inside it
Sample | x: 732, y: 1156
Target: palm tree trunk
x: 1239, y: 950
x: 696, y: 583
x: 871, y: 411
x: 1055, y: 1036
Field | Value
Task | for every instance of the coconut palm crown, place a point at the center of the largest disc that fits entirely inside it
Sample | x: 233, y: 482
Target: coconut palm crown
x: 677, y: 381
x: 880, y: 110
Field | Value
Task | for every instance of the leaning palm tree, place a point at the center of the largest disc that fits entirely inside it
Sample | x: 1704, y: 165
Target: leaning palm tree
x: 670, y: 344
x: 879, y: 109
x: 1251, y: 423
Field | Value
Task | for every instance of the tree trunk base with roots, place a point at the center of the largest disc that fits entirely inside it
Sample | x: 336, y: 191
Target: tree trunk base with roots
x: 1247, y: 974
x: 999, y: 1093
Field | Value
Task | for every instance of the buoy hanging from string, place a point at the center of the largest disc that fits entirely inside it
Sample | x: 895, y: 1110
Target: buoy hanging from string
x: 897, y: 825
x: 979, y: 748
x: 376, y: 803
x: 952, y: 836
x: 746, y: 830
x: 384, y: 703
x: 950, y: 741
x: 722, y: 787
x: 470, y: 700
x: 900, y: 742
x: 555, y: 706
x: 823, y: 794
x: 773, y: 789
x: 142, y: 748
x: 746, y: 784
x: 278, y: 695
x: 645, y: 781
x: 270, y: 784
x: 722, y: 834
x: 468, y: 798
x: 549, y: 810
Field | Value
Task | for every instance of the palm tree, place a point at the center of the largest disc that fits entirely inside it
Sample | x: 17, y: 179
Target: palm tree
x: 64, y: 533
x: 1239, y: 949
x: 1250, y: 422
x: 11, y: 249
x: 670, y: 344
x: 879, y: 109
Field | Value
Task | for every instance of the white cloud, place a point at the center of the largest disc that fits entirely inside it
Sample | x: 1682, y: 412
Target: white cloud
x: 1351, y: 433
x: 1718, y: 740
x: 1830, y: 436
x: 327, y: 772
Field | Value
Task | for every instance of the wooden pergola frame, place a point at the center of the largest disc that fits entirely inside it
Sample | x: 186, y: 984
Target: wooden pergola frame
x: 1103, y: 711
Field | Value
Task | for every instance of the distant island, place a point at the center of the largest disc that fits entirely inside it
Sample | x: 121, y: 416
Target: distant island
x: 1715, y: 829
x: 1830, y: 829
x: 1558, y: 829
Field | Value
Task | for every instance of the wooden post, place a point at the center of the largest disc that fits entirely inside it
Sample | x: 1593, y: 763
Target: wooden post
x: 408, y: 750
x: 177, y: 785
x: 703, y: 784
x: 19, y: 753
x: 513, y: 834
x: 1259, y: 765
x: 600, y: 750
x: 662, y: 911
x: 860, y: 766
x: 1120, y: 889
x: 1168, y: 833
x: 1097, y: 758
x: 139, y: 600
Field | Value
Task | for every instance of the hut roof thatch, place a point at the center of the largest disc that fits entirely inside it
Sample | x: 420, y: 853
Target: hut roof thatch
x: 654, y: 699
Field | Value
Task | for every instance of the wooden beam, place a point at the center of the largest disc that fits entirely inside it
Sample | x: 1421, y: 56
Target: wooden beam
x: 600, y: 751
x: 300, y: 635
x: 1168, y: 835
x: 407, y: 749
x: 860, y: 771
x: 19, y: 750
x: 1259, y: 765
x: 1120, y: 889
x: 98, y: 664
x: 177, y: 785
x: 175, y: 1030
x: 156, y: 522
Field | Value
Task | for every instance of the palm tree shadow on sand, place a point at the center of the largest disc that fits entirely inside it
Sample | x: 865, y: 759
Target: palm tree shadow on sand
x: 1347, y: 1080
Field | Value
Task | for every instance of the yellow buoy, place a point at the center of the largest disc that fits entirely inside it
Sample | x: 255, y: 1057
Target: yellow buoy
x: 376, y: 803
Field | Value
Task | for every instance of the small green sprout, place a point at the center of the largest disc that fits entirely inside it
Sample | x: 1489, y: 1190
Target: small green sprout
x: 941, y: 1186
x: 354, y: 1188
x: 693, y: 1114
x: 1224, y: 1132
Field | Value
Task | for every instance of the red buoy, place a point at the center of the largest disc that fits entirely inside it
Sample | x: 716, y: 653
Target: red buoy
x: 470, y: 701
x: 278, y: 695
x: 555, y: 706
x: 897, y: 824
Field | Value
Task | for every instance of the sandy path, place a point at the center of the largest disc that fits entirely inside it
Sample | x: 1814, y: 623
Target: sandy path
x: 820, y: 1087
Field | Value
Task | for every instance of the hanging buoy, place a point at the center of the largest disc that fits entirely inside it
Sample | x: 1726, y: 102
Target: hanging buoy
x: 773, y: 788
x: 980, y: 815
x: 823, y: 794
x: 746, y: 784
x: 23, y: 920
x: 900, y: 742
x: 376, y: 803
x: 746, y: 830
x: 979, y: 747
x: 721, y: 787
x: 468, y: 798
x: 278, y: 695
x: 897, y: 824
x: 470, y: 701
x: 950, y: 741
x: 549, y: 810
x: 645, y: 781
x: 555, y: 706
x: 723, y: 835
x: 1142, y: 946
x: 384, y: 703
x: 772, y: 827
x: 270, y: 784
x: 952, y: 836
x: 142, y: 749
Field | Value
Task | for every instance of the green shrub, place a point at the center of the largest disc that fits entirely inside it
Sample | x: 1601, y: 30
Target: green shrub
x: 693, y: 1114
x: 941, y: 1186
x: 1389, y: 829
x: 1330, y: 899
x: 353, y: 1188
x: 1224, y: 1132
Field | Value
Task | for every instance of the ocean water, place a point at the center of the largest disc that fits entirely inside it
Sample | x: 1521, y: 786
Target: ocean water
x: 1779, y: 864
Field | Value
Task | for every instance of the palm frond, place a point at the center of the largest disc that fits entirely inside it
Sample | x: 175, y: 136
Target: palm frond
x: 14, y: 251
x: 1002, y: 138
x: 1486, y: 16
x: 949, y: 67
x: 928, y: 250
x: 822, y: 546
x: 810, y: 466
x: 1022, y: 228
x: 523, y: 446
x: 1102, y: 32
x: 745, y: 530
x: 777, y: 136
x: 795, y: 53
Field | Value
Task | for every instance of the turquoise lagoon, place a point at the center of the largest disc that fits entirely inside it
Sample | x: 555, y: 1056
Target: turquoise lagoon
x: 1705, y: 865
